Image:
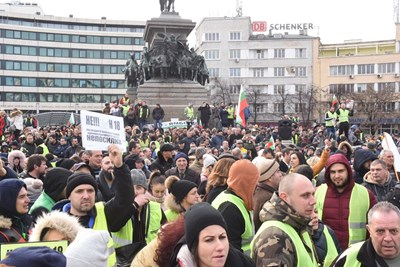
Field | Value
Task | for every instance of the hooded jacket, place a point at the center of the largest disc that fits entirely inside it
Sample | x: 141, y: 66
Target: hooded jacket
x: 379, y: 190
x: 336, y: 209
x: 349, y: 149
x: 160, y: 163
x: 242, y: 180
x: 360, y: 157
x: 273, y: 245
x: 16, y: 154
x: 14, y: 227
x: 60, y: 221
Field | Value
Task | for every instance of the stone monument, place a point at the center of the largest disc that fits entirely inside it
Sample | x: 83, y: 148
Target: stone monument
x: 169, y: 73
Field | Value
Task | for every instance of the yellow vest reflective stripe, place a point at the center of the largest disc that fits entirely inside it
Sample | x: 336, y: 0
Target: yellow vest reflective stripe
x: 343, y: 115
x: 247, y: 235
x: 332, y: 252
x: 45, y: 149
x: 171, y: 215
x: 302, y: 255
x: 330, y: 122
x: 351, y: 255
x: 189, y: 113
x: 231, y: 112
x: 100, y: 223
x: 358, y: 209
x: 153, y: 222
x: 144, y: 144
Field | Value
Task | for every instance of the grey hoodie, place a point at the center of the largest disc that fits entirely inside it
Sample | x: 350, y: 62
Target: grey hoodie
x: 379, y: 190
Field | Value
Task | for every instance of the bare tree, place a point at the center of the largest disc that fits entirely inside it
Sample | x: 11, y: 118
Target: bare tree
x: 374, y: 106
x: 309, y: 104
x: 221, y: 91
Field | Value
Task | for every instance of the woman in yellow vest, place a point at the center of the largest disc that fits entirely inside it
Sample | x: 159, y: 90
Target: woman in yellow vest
x: 141, y: 229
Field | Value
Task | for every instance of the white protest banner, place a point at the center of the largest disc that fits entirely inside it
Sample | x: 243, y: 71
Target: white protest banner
x: 388, y: 143
x: 6, y: 248
x: 174, y: 124
x: 100, y: 130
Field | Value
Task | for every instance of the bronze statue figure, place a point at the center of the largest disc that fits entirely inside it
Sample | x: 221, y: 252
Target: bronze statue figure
x: 165, y: 5
x: 131, y: 71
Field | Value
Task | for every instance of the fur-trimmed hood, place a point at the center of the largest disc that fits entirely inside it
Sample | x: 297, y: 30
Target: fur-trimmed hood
x: 171, y: 204
x: 5, y: 222
x: 16, y: 154
x: 59, y: 221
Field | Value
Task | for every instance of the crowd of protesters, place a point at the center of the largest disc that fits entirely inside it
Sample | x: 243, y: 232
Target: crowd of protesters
x: 210, y: 194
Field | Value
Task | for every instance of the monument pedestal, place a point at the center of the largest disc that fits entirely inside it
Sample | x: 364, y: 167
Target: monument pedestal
x: 173, y: 96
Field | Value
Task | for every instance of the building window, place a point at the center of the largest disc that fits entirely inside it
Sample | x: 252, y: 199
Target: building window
x: 258, y: 72
x: 386, y: 68
x: 259, y: 53
x: 300, y: 107
x: 301, y: 71
x: 262, y: 108
x: 386, y: 87
x: 341, y: 88
x: 300, y: 88
x: 212, y: 36
x: 234, y: 89
x: 300, y: 53
x: 279, y: 89
x: 279, y: 53
x: 278, y: 107
x: 234, y: 53
x: 213, y: 72
x: 362, y: 87
x: 279, y: 72
x: 366, y: 69
x: 234, y: 72
x: 341, y: 70
x: 211, y: 54
x: 234, y: 36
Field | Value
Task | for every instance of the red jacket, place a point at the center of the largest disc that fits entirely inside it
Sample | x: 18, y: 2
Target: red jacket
x: 336, y: 205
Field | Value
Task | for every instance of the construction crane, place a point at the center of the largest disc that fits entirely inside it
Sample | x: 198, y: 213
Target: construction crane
x: 239, y: 10
x: 396, y: 11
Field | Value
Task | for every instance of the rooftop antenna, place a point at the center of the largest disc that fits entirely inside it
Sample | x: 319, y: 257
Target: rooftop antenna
x: 239, y: 9
x: 396, y: 11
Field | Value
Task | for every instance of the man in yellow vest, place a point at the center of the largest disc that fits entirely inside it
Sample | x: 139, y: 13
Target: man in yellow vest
x: 284, y: 237
x: 383, y: 246
x: 343, y: 204
x: 231, y: 115
x: 189, y: 115
x: 110, y: 216
x: 343, y: 116
x: 330, y: 123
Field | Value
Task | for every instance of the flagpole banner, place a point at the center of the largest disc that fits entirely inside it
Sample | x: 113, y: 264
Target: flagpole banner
x: 388, y: 143
x: 101, y: 130
x: 241, y: 108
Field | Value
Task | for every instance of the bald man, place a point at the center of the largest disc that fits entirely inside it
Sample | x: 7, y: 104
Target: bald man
x: 284, y: 216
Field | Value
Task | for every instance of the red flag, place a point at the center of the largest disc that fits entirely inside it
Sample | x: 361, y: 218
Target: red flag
x: 240, y: 110
x: 335, y: 102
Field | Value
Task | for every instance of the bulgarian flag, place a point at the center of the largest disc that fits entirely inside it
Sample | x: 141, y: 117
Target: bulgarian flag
x: 271, y: 143
x: 71, y: 120
x: 242, y: 109
x: 335, y: 102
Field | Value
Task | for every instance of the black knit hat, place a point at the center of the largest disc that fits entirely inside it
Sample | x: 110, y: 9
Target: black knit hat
x: 77, y: 179
x: 55, y: 182
x: 167, y: 147
x: 181, y: 188
x: 198, y: 217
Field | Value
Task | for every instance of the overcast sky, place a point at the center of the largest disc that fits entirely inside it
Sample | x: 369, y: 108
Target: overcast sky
x: 336, y: 21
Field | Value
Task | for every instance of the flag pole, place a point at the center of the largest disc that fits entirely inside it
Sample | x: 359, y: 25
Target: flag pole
x: 394, y: 165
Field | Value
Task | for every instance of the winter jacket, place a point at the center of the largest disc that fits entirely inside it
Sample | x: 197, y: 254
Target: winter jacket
x: 107, y: 192
x: 22, y: 161
x: 17, y: 120
x: 9, y: 174
x: 160, y: 163
x: 349, y: 149
x: 379, y: 190
x: 262, y: 194
x: 336, y: 207
x: 367, y: 256
x: 14, y: 227
x: 282, y: 250
x: 61, y: 150
x: 360, y: 157
x: 28, y: 148
x: 320, y: 242
x: 189, y: 175
x: 158, y: 113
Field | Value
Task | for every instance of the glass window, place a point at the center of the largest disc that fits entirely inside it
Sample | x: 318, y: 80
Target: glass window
x: 9, y: 49
x: 234, y: 36
x: 82, y: 39
x: 17, y: 50
x: 42, y: 36
x: 234, y: 72
x: 50, y: 37
x: 300, y: 53
x: 279, y: 72
x: 9, y: 65
x: 17, y: 35
x: 9, y: 34
x: 279, y: 53
x: 42, y: 52
x: 366, y: 69
x: 234, y: 53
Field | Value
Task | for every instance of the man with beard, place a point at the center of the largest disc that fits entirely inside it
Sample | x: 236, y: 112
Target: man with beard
x: 343, y: 204
x: 105, y: 181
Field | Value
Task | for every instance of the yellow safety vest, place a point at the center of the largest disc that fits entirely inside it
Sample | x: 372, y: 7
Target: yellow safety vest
x: 332, y: 252
x: 171, y: 215
x: 45, y: 149
x: 153, y: 222
x: 247, y: 235
x: 302, y: 255
x: 125, y: 110
x: 100, y: 223
x: 331, y: 116
x: 189, y: 113
x: 358, y: 209
x: 343, y: 115
x: 144, y: 144
x: 231, y: 112
x: 351, y: 255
